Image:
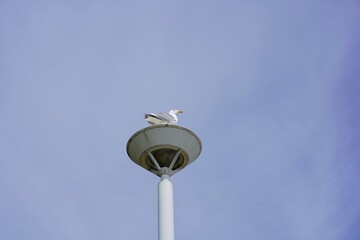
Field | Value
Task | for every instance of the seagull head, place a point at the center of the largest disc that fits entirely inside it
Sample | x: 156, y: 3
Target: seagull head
x: 175, y: 111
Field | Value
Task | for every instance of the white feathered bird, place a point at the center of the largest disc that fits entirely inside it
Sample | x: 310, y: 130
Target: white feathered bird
x: 163, y: 118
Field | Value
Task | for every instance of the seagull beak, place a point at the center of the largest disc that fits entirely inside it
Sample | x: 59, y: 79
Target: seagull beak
x: 180, y: 111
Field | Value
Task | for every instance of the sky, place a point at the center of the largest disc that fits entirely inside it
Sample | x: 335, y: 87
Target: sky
x: 270, y: 87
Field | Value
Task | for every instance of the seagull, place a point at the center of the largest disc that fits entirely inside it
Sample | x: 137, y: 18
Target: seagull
x: 163, y: 118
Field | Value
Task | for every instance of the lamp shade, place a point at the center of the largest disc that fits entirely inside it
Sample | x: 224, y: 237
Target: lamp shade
x: 164, y: 147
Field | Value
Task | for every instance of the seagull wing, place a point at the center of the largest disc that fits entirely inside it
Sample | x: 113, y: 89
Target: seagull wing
x: 163, y: 117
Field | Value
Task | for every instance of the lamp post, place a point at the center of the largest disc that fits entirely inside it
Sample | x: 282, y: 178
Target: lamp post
x: 164, y: 150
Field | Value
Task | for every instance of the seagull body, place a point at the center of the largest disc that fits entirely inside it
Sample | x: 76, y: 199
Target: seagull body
x: 162, y: 118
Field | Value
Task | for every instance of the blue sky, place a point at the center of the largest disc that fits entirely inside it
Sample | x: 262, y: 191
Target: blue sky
x: 271, y: 88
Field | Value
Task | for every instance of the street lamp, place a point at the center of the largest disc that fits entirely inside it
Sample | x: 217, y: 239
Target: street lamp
x: 164, y: 150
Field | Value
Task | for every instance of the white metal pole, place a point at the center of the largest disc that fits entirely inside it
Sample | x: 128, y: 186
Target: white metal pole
x: 166, y: 209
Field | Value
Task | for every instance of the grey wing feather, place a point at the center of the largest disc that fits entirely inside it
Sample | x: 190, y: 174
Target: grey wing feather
x: 164, y: 116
